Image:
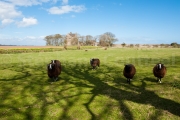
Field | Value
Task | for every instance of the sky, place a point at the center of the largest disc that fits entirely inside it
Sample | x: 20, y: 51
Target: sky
x: 27, y: 22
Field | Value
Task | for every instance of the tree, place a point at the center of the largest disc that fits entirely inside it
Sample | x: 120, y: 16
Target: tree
x: 107, y: 39
x: 123, y: 44
x: 89, y: 40
x: 49, y: 40
x: 57, y: 38
x: 82, y: 40
x: 174, y: 44
x: 137, y: 45
x: 74, y: 41
x: 131, y: 45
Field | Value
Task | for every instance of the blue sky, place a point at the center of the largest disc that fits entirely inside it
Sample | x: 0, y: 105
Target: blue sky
x: 27, y: 22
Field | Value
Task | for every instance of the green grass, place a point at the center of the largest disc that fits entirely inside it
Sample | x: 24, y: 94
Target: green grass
x: 26, y: 92
x: 29, y: 49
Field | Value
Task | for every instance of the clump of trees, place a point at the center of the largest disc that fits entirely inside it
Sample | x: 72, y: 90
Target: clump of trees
x: 55, y: 40
x: 175, y: 45
x: 106, y: 39
x: 123, y: 44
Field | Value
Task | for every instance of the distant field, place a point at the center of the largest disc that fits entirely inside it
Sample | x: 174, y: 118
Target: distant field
x: 12, y: 47
x: 84, y: 94
x: 31, y: 49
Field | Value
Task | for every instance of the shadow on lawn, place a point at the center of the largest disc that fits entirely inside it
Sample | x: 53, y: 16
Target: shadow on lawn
x: 145, y: 96
x: 36, y: 84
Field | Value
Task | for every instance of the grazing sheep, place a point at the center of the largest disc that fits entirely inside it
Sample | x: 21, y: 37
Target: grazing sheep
x: 54, y: 69
x: 78, y: 47
x: 65, y: 47
x: 94, y: 62
x: 159, y: 71
x: 129, y: 72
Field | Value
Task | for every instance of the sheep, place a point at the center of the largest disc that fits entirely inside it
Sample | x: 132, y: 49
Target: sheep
x: 94, y: 62
x: 129, y: 72
x: 78, y: 47
x: 54, y: 69
x: 65, y: 47
x: 159, y: 71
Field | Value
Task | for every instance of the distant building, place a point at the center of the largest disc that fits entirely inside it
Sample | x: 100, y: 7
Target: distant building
x: 69, y: 37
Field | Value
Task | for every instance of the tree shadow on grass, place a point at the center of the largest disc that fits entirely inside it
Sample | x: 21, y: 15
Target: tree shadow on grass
x: 77, y: 77
x: 151, y: 79
x: 144, y: 97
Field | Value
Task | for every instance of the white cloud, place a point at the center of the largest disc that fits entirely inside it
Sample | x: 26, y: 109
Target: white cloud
x: 30, y: 37
x: 64, y: 2
x: 7, y: 21
x: 28, y: 40
x: 27, y: 2
x: 66, y: 9
x: 27, y: 22
x: 8, y: 11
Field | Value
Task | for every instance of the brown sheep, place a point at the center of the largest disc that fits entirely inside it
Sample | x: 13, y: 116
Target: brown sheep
x: 65, y: 47
x: 78, y: 47
x: 94, y: 63
x: 129, y: 72
x: 54, y: 69
x: 159, y: 71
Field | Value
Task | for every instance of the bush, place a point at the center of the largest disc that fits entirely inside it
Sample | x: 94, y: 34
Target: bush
x: 175, y: 45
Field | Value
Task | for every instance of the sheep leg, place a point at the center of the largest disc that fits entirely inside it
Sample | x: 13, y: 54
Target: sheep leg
x: 55, y: 78
x: 128, y: 80
x: 159, y: 80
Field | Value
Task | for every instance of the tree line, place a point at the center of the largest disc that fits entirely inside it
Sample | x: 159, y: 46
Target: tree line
x: 106, y: 39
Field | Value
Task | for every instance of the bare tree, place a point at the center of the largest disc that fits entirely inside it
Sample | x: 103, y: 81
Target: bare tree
x: 137, y: 45
x: 82, y: 40
x: 49, y: 40
x: 57, y: 38
x: 107, y: 39
x: 89, y: 40
x: 74, y: 41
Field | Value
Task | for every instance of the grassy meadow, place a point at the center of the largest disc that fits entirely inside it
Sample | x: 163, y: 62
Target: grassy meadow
x: 81, y: 93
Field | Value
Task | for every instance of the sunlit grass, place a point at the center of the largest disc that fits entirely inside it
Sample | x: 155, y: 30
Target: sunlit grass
x: 26, y: 92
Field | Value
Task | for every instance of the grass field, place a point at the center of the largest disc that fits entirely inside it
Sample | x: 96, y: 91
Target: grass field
x: 26, y: 92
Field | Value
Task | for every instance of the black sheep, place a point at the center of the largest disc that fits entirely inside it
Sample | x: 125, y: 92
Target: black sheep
x: 129, y: 72
x: 159, y: 71
x: 54, y: 69
x: 94, y: 63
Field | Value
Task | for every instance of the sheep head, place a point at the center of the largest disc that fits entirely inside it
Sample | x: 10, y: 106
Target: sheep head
x: 159, y: 66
